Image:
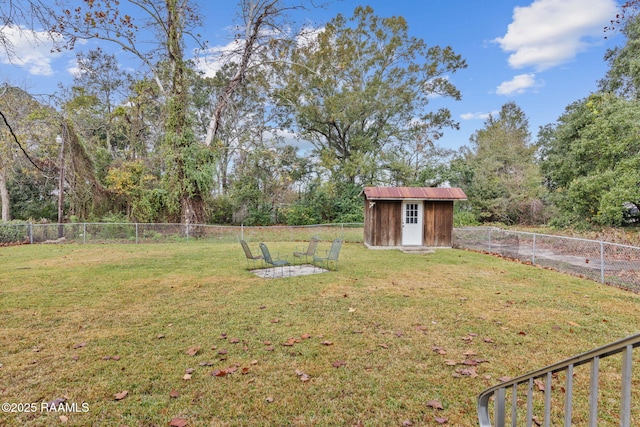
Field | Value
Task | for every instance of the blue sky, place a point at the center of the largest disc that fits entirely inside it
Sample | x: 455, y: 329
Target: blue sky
x: 541, y: 54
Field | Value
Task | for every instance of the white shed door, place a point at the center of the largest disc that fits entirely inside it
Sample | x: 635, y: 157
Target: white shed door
x: 412, y: 223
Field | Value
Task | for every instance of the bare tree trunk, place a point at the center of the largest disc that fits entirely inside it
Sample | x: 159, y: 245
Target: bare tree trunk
x: 4, y: 196
x: 256, y: 16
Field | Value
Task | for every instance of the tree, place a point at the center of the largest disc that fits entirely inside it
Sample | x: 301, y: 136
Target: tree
x: 591, y: 158
x: 623, y: 76
x: 186, y: 164
x: 263, y: 22
x: 500, y: 177
x: 361, y: 85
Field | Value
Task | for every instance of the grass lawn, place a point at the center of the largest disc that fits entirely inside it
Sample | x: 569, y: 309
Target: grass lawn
x: 191, y: 336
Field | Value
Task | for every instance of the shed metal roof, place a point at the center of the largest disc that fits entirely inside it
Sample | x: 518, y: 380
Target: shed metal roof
x: 420, y: 193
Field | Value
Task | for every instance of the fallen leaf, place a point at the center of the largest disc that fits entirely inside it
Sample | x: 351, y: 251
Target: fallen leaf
x: 540, y: 384
x: 488, y: 340
x: 469, y: 372
x: 121, y: 395
x: 223, y: 351
x: 407, y: 423
x: 450, y: 362
x: 80, y: 345
x: 269, y: 400
x: 186, y: 377
x: 399, y: 334
x: 441, y: 420
x: 338, y: 363
x: 352, y: 310
x: 63, y: 418
x: 219, y: 373
x: 160, y: 336
x: 174, y: 394
x: 289, y: 342
x: 439, y: 350
x: 573, y: 323
x: 504, y: 379
x: 275, y: 320
x: 303, y: 377
x: 177, y: 422
x: 234, y: 340
x: 192, y: 351
x: 435, y: 404
x: 327, y: 343
x: 305, y: 336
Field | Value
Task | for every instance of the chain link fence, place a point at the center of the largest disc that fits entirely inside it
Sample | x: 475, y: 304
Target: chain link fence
x: 165, y: 233
x: 605, y: 262
x: 610, y: 263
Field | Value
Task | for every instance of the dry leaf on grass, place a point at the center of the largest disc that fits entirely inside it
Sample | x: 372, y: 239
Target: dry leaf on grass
x: 192, y: 351
x: 177, y: 422
x: 121, y: 395
x: 435, y: 404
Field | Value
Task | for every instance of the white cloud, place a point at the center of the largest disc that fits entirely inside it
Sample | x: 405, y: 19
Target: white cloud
x: 477, y: 116
x: 214, y: 58
x: 548, y: 33
x: 519, y: 84
x: 32, y: 51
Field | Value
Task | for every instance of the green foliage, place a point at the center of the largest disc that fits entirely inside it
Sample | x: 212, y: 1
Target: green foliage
x: 13, y: 231
x: 221, y: 210
x: 327, y: 203
x: 591, y: 158
x: 31, y: 198
x: 623, y: 76
x: 363, y: 86
x: 464, y: 216
x: 499, y: 174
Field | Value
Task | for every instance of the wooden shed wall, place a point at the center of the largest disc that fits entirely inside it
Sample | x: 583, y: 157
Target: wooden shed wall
x: 383, y: 223
x: 438, y: 224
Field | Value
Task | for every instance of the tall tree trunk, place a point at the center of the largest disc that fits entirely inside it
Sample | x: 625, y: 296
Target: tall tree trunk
x: 4, y: 195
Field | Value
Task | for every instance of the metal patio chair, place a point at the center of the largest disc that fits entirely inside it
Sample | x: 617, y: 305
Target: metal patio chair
x: 311, y: 249
x: 251, y: 259
x: 266, y: 255
x: 332, y: 255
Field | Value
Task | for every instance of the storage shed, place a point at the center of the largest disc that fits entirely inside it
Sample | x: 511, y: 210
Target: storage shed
x: 396, y: 217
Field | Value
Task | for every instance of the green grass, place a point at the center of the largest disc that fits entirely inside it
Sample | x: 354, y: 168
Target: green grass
x: 64, y: 309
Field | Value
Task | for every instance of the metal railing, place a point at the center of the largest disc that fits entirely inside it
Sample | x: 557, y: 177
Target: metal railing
x: 604, y: 262
x: 543, y: 381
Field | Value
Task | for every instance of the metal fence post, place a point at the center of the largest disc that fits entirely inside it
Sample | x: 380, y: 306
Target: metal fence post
x: 602, y: 262
x: 533, y: 250
x: 84, y: 232
x: 31, y: 233
x: 136, y: 233
x: 490, y: 236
